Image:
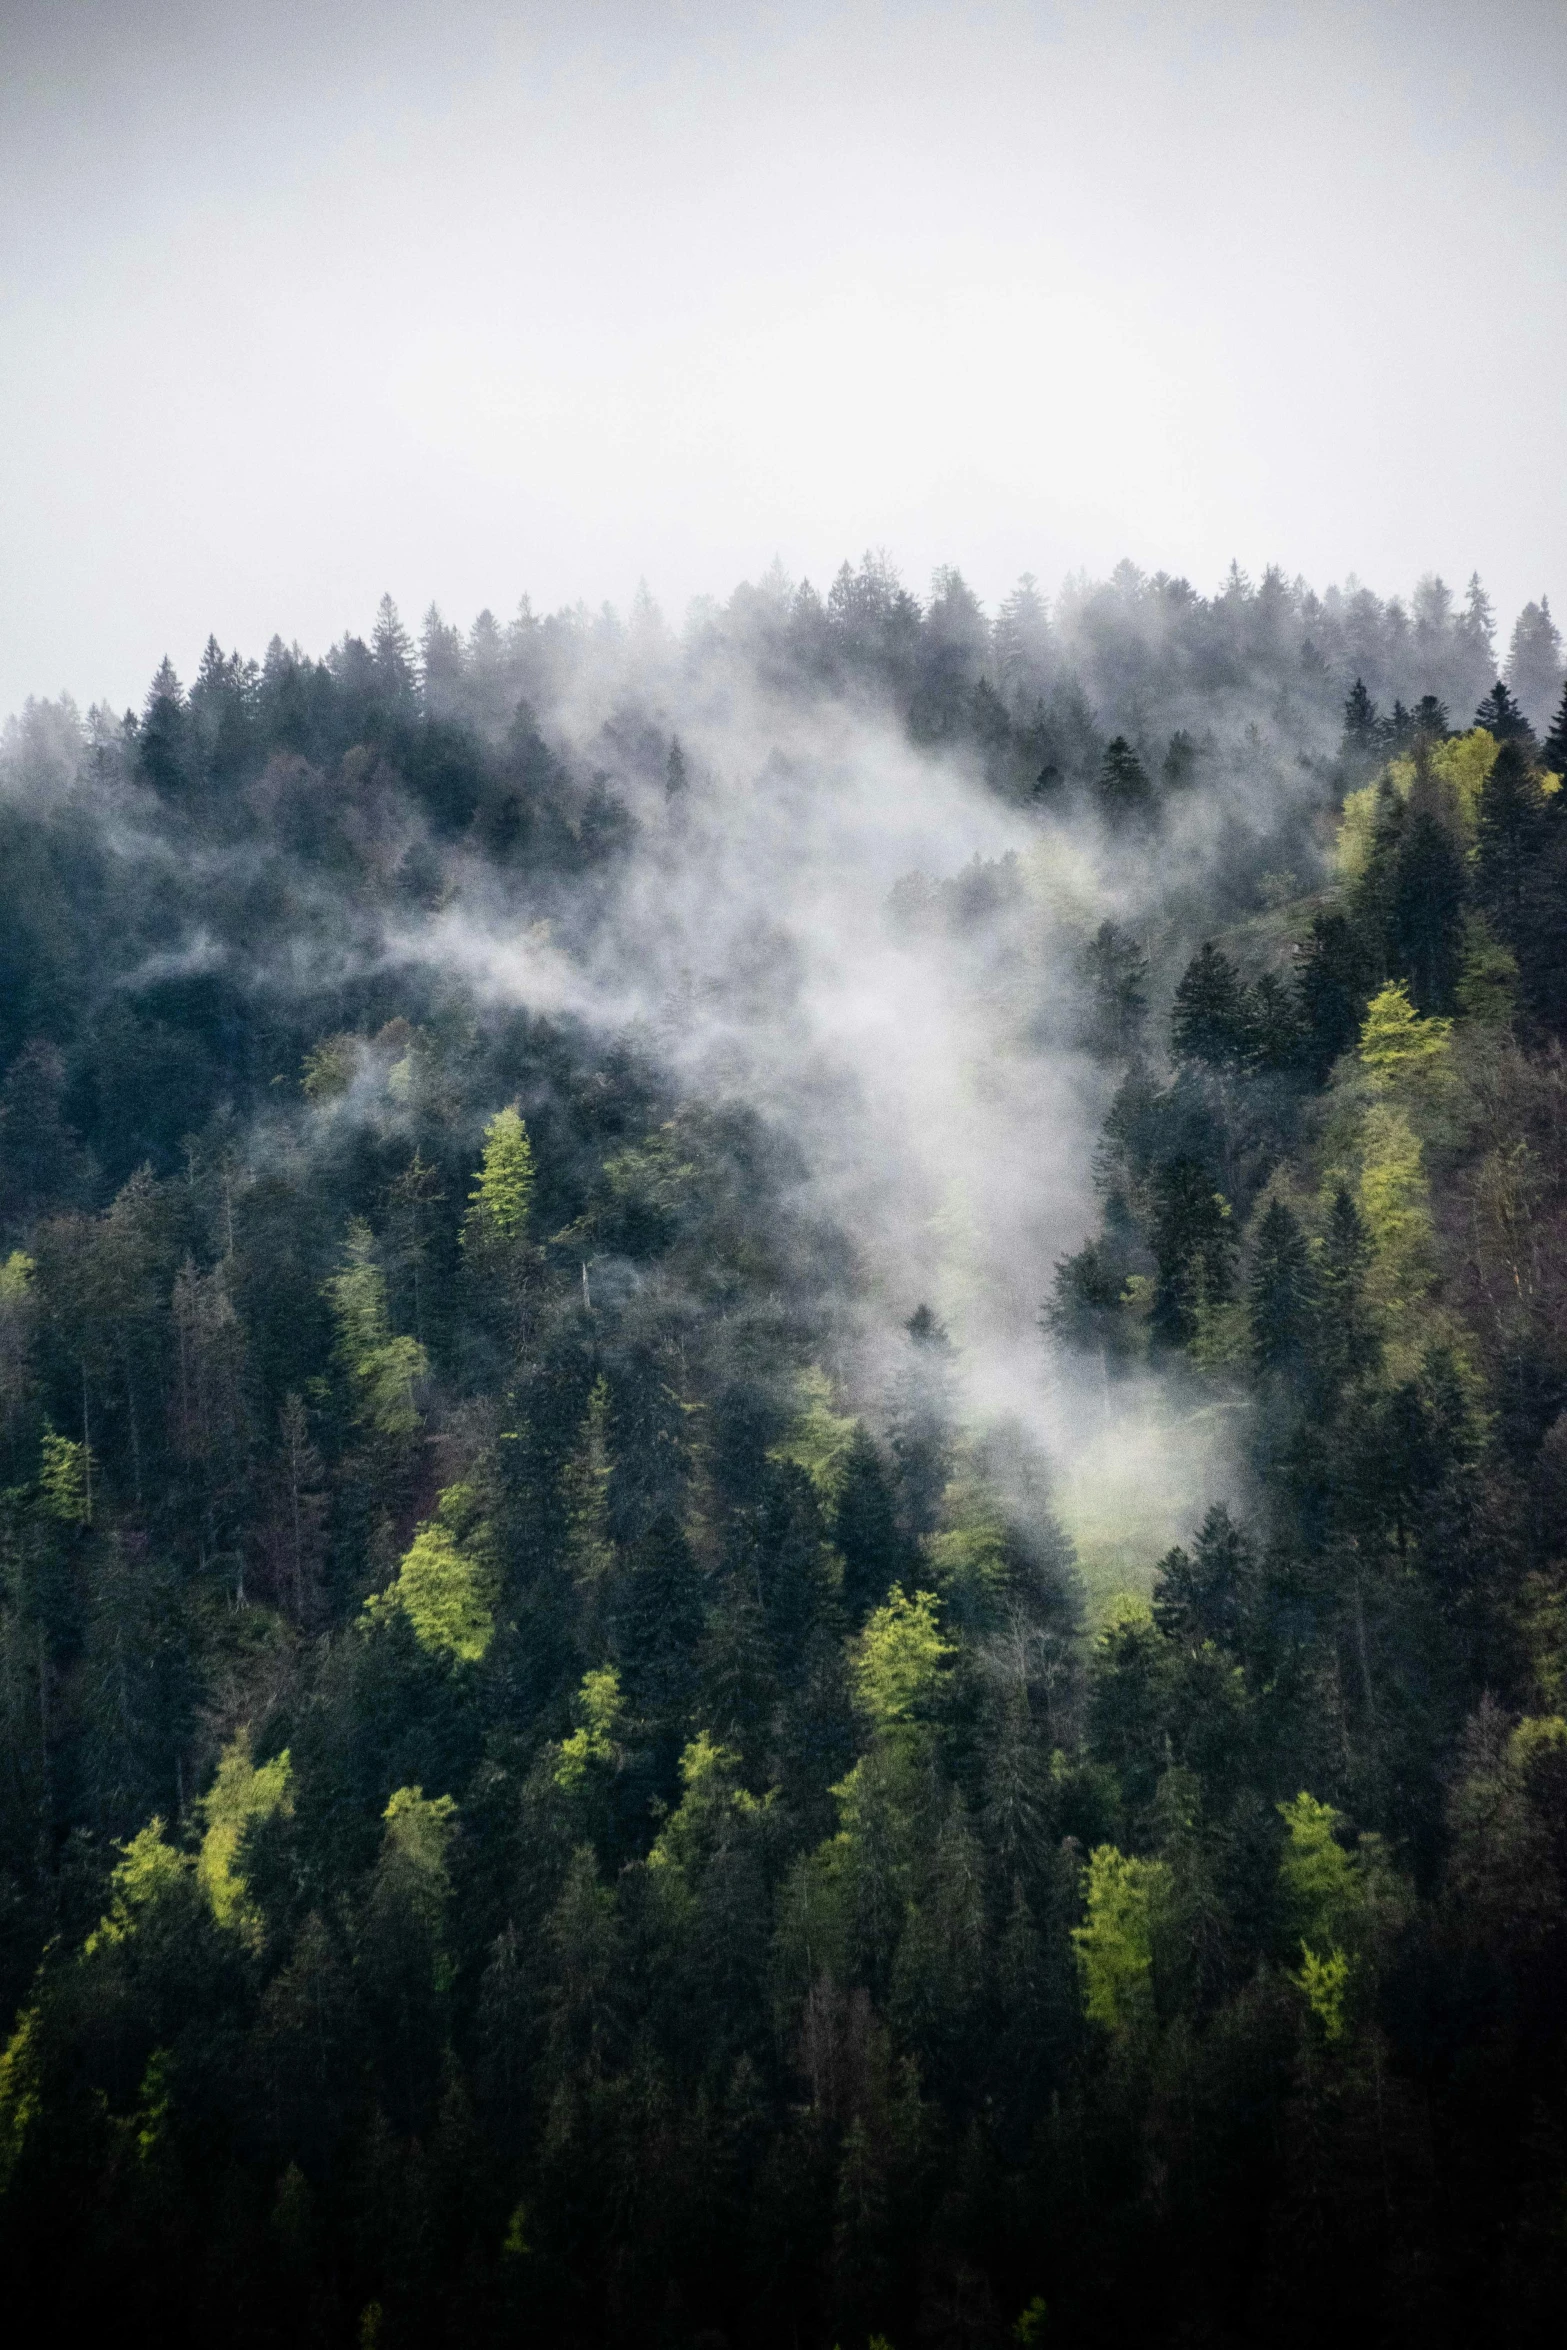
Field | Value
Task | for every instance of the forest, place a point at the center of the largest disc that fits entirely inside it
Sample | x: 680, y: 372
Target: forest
x: 783, y: 1478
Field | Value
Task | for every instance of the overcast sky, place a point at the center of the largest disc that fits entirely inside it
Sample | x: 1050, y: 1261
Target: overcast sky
x: 303, y: 302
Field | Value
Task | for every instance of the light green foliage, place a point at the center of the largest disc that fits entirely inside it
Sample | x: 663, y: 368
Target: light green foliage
x: 653, y: 1174
x: 1399, y: 1049
x: 330, y: 1067
x: 1394, y: 1202
x: 897, y: 1660
x: 710, y: 1799
x: 382, y: 1368
x: 503, y: 1190
x: 1325, y: 1899
x: 65, y: 1480
x: 1458, y: 768
x: 18, y: 1313
x: 515, y: 2244
x: 154, y: 2102
x: 1317, y: 1876
x: 1029, y: 2330
x: 1325, y: 1982
x: 20, y: 2092
x: 239, y: 1796
x: 150, y: 1872
x: 448, y: 1583
x: 585, y: 1491
x: 818, y: 1439
x: 594, y: 1740
x: 1122, y: 1899
x: 969, y: 1556
x: 413, y: 1850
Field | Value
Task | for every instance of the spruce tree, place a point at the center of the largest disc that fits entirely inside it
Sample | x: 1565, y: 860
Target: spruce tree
x: 1534, y: 660
x: 1512, y: 837
x: 1500, y: 715
x: 1280, y: 1290
x: 1337, y: 973
x: 1426, y: 911
x: 1213, y: 1020
x: 1123, y: 790
x: 1362, y: 742
x: 1554, y: 751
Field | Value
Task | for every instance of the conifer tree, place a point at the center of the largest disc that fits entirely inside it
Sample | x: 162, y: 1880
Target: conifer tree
x: 1426, y: 908
x: 1213, y: 1021
x: 1364, y: 734
x: 392, y: 652
x: 1280, y: 1290
x: 1500, y: 715
x: 1123, y: 791
x: 503, y: 1189
x: 1554, y: 753
x: 1534, y: 660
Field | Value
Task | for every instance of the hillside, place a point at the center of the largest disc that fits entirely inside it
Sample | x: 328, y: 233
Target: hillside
x: 783, y: 1551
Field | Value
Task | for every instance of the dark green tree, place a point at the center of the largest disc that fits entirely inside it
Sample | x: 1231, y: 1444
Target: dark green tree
x: 1500, y: 715
x: 1124, y: 794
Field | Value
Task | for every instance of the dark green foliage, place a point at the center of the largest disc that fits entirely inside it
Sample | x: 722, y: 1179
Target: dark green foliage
x: 1125, y: 795
x: 865, y: 1529
x: 1425, y: 912
x: 1500, y: 715
x: 1553, y: 752
x: 1336, y: 977
x: 1280, y: 1291
x: 1191, y: 1234
x: 1116, y: 970
x: 1211, y: 1021
x: 676, y: 1918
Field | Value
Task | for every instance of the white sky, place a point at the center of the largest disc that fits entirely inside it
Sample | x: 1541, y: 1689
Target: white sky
x: 298, y: 303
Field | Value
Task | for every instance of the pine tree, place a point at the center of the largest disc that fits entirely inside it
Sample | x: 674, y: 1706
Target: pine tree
x: 393, y: 655
x: 1213, y: 1019
x: 1337, y: 973
x: 503, y: 1189
x: 1426, y: 906
x: 1500, y: 715
x: 1364, y: 734
x: 1193, y: 1241
x: 442, y: 666
x: 163, y: 745
x: 921, y: 1422
x: 1116, y: 970
x: 1554, y: 754
x: 1123, y: 790
x: 1512, y: 836
x: 1279, y: 1290
x: 1534, y: 660
x: 865, y: 1529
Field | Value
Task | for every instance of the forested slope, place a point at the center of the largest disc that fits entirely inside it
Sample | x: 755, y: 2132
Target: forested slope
x: 557, y: 1778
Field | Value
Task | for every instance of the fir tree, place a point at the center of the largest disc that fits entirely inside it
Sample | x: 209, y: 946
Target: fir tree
x: 1554, y: 754
x: 1500, y: 715
x: 1213, y: 1020
x: 1124, y: 793
x: 1426, y: 910
x: 1279, y: 1290
x: 1534, y: 660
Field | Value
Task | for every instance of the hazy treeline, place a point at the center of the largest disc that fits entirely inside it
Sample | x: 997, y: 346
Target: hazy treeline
x: 560, y: 1773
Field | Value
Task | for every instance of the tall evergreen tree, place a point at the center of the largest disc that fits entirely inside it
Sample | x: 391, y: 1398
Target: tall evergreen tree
x: 1534, y: 661
x: 1426, y: 907
x: 1554, y: 752
x: 1124, y: 794
x: 1500, y: 715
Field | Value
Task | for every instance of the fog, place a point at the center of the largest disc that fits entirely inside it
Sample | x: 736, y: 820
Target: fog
x: 303, y: 304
